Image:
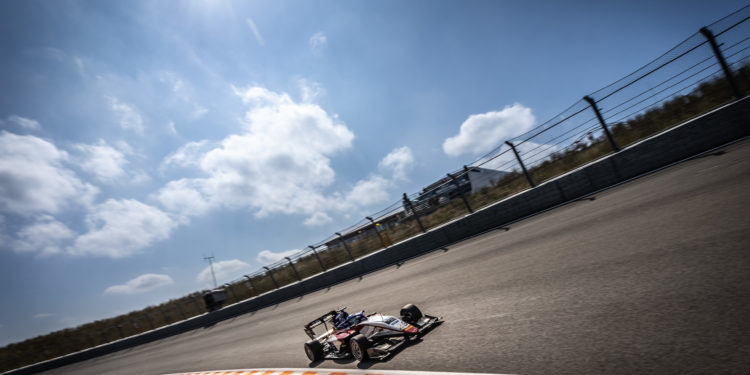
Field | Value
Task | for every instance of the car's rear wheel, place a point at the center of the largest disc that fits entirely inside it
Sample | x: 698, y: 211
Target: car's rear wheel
x: 314, y: 350
x: 410, y: 314
x: 358, y: 346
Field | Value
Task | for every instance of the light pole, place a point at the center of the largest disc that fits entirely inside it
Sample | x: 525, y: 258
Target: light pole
x: 210, y: 261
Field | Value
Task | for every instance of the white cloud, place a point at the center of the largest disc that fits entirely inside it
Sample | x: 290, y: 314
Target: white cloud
x: 127, y: 115
x: 370, y: 191
x: 400, y: 161
x: 280, y: 164
x: 268, y: 257
x: 224, y: 270
x: 120, y: 228
x: 44, y: 237
x: 33, y: 178
x: 262, y: 97
x: 188, y: 155
x: 184, y: 198
x: 42, y: 315
x: 103, y: 161
x: 318, y: 41
x: 25, y: 123
x: 256, y: 33
x: 317, y: 219
x: 141, y: 284
x: 481, y: 133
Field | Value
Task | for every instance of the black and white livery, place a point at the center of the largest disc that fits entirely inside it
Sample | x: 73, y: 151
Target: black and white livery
x: 364, y: 336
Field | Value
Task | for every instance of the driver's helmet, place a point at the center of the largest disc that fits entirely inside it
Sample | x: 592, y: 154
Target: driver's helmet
x: 355, y: 319
x: 339, y: 321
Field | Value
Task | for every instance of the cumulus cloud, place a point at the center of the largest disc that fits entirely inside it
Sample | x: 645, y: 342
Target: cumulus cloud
x: 399, y: 161
x: 43, y: 237
x: 184, y: 198
x: 127, y: 115
x: 268, y: 257
x: 279, y: 164
x: 120, y: 228
x: 368, y: 192
x: 256, y: 32
x: 24, y: 123
x: 33, y: 178
x: 141, y: 284
x: 318, y: 41
x: 188, y: 155
x: 482, y: 132
x: 103, y: 161
x: 317, y: 219
x: 224, y: 270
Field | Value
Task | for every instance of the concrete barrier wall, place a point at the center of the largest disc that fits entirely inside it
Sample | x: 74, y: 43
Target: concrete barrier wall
x: 714, y: 129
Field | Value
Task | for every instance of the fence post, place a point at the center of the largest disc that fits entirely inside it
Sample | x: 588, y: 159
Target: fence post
x: 229, y: 286
x: 410, y: 206
x: 319, y: 260
x: 293, y: 268
x: 250, y: 284
x: 349, y: 251
x: 272, y: 278
x: 375, y: 226
x: 523, y: 167
x: 458, y: 189
x: 593, y: 105
x: 719, y: 56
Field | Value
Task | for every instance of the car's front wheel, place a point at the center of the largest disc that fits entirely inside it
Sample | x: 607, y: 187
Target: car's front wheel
x: 410, y: 314
x: 358, y: 346
x: 314, y: 350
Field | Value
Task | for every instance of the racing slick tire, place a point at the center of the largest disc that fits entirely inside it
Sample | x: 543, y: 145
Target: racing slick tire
x: 358, y: 346
x: 410, y: 314
x: 314, y: 350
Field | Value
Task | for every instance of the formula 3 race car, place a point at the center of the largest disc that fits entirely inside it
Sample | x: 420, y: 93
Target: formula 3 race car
x: 361, y: 336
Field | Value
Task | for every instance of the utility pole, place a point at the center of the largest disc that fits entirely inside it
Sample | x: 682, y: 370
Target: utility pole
x: 210, y: 261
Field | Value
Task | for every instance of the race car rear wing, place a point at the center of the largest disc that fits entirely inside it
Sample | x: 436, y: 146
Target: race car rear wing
x: 327, y: 317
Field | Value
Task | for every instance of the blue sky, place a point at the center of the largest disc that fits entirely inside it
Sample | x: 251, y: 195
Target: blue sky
x: 137, y: 137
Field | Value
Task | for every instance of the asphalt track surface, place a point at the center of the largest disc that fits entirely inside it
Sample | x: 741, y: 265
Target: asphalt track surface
x: 652, y: 276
